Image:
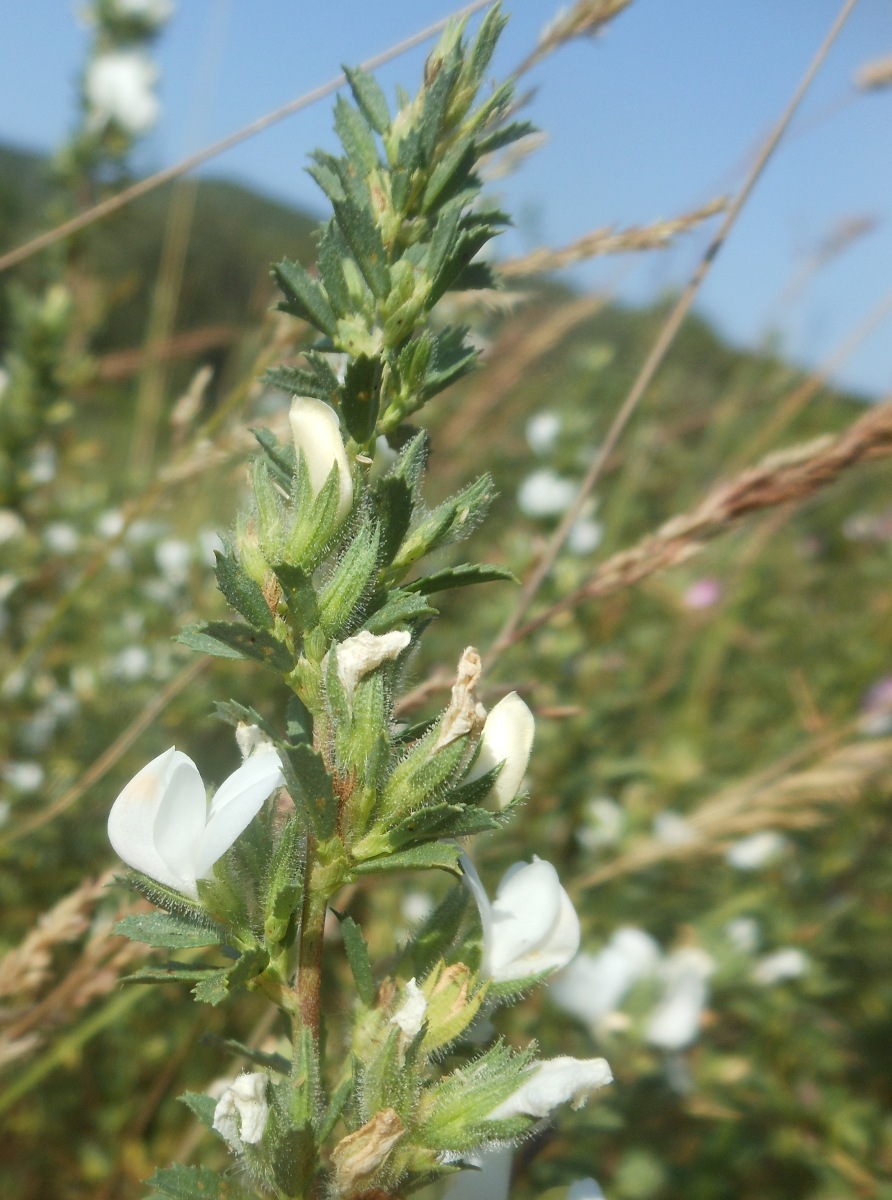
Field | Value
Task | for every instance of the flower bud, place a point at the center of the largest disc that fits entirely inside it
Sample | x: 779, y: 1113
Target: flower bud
x: 317, y: 434
x: 552, y: 1082
x: 243, y: 1110
x: 507, y: 738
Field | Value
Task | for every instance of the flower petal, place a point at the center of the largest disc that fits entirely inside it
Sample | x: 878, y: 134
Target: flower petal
x: 552, y: 1082
x: 507, y: 738
x: 133, y: 822
x: 317, y: 432
x: 527, y: 910
x: 239, y: 799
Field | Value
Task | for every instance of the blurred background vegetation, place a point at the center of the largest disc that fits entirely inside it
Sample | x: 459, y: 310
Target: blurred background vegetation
x: 745, y: 690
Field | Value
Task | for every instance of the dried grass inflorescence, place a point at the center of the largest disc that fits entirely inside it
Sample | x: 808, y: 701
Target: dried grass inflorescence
x: 876, y: 74
x: 611, y: 241
x: 586, y: 18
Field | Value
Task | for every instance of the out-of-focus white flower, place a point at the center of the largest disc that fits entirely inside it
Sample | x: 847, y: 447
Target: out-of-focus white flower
x: 11, y: 525
x: 161, y: 823
x: 416, y: 906
x: 675, y: 1022
x: 672, y: 829
x: 507, y: 738
x: 876, y: 709
x: 594, y: 985
x: 143, y: 530
x: 604, y: 821
x: 788, y: 963
x: 542, y: 432
x: 8, y: 584
x: 364, y: 652
x: 317, y: 433
x: 132, y: 663
x: 703, y: 593
x: 209, y: 542
x: 530, y: 927
x: 110, y: 523
x: 23, y: 776
x: 552, y: 1082
x: 585, y: 536
x: 410, y: 1016
x: 585, y: 1189
x: 743, y: 934
x: 757, y: 850
x: 61, y: 538
x: 490, y: 1182
x: 243, y: 1110
x: 5, y: 810
x: 544, y: 493
x: 44, y: 464
x: 174, y: 557
x: 154, y: 12
x: 119, y: 87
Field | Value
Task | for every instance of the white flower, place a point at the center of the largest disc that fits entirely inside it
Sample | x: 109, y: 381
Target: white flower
x: 251, y: 739
x: 594, y: 985
x: 118, y: 88
x: 174, y: 557
x: 530, y: 927
x: 604, y: 821
x: 11, y: 525
x: 672, y: 829
x: 675, y: 1022
x: 155, y: 12
x: 585, y: 536
x: 585, y: 1189
x: 410, y: 1017
x: 743, y: 934
x: 132, y: 663
x: 161, y: 823
x: 317, y: 432
x: 545, y: 494
x: 552, y: 1082
x: 757, y: 850
x: 788, y: 963
x: 507, y: 738
x: 23, y: 776
x: 364, y: 652
x: 243, y: 1110
x: 542, y: 431
x: 416, y: 906
x: 61, y: 538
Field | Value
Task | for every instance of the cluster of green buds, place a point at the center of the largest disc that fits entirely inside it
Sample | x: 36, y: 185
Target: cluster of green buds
x: 327, y: 575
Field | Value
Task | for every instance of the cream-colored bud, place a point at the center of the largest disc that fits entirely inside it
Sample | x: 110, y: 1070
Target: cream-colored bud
x: 361, y: 1153
x: 507, y: 738
x: 317, y: 432
x: 362, y: 653
x: 243, y: 1110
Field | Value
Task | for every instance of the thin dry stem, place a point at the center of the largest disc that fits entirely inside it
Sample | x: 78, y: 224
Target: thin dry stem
x: 784, y: 477
x: 612, y: 241
x: 587, y: 18
x: 798, y: 800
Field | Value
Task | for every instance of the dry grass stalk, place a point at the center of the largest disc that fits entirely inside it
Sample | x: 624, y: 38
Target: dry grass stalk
x: 784, y: 477
x: 876, y: 74
x: 611, y: 241
x: 587, y: 18
x: 798, y: 800
x: 27, y: 1018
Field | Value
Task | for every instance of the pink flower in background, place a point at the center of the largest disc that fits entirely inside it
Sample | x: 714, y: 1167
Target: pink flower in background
x: 703, y: 593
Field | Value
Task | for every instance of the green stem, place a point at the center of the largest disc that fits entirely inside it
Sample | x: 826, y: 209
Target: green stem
x: 309, y: 963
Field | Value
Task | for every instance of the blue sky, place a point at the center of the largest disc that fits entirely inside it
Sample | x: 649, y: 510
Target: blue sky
x: 658, y: 116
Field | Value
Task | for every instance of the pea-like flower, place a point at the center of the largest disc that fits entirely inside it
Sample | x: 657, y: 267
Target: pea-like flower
x: 507, y: 738
x: 675, y: 1022
x: 552, y: 1082
x: 317, y: 432
x: 243, y: 1110
x: 530, y: 927
x: 162, y: 825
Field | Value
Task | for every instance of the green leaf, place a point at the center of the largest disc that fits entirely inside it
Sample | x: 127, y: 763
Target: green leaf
x: 361, y: 397
x: 336, y: 1106
x: 202, y: 1105
x: 364, y: 239
x: 195, y: 1183
x: 443, y: 239
x: 304, y: 297
x: 271, y: 1062
x: 284, y: 881
x: 441, y: 821
x: 310, y: 787
x: 401, y: 607
x: 241, y: 591
x: 299, y: 595
x: 216, y: 986
x: 315, y: 517
x: 173, y: 972
x: 172, y: 932
x: 457, y: 577
x: 226, y: 639
x: 369, y: 97
x: 326, y: 175
x: 435, y: 103
x: 358, y: 957
x: 438, y: 931
x: 451, y: 360
x: 236, y: 714
x: 315, y: 379
x: 163, y: 896
x: 331, y: 269
x: 439, y: 856
x: 481, y: 52
x: 356, y: 136
x: 344, y: 589
x: 394, y: 505
x: 451, y: 173
x: 451, y: 521
x: 279, y: 459
x: 504, y: 136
